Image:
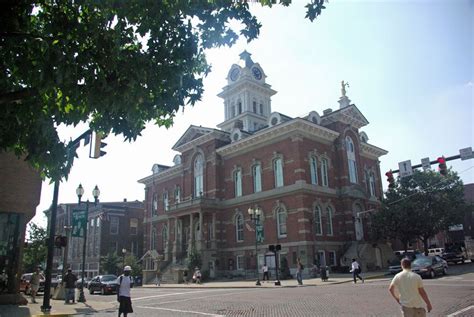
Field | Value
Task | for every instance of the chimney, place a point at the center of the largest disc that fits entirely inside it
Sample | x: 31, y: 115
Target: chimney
x: 125, y: 200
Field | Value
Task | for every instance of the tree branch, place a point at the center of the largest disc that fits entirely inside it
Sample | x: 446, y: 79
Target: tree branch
x: 17, y: 96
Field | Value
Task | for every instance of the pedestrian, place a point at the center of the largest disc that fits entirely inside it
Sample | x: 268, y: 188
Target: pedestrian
x: 123, y: 294
x: 36, y: 277
x: 299, y: 271
x: 409, y: 286
x: 197, y: 275
x: 158, y: 279
x: 185, y: 276
x: 69, y: 281
x: 265, y: 272
x: 356, y: 271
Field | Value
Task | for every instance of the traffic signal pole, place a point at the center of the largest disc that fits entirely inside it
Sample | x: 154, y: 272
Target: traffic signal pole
x: 451, y: 158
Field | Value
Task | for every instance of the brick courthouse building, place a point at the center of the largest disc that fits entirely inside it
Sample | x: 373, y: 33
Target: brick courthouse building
x: 310, y: 176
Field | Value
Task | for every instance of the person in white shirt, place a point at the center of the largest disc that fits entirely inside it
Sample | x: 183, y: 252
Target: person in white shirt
x: 265, y: 272
x: 123, y: 294
x: 411, y: 293
x: 355, y: 269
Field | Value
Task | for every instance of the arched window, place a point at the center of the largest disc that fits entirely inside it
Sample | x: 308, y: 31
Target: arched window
x: 372, y: 184
x: 177, y: 194
x: 257, y: 178
x: 154, y: 204
x: 330, y: 215
x: 351, y: 159
x: 239, y: 228
x: 318, y: 226
x: 278, y: 171
x: 313, y: 168
x: 153, y: 239
x: 281, y: 222
x: 198, y: 175
x: 238, y: 182
x: 254, y: 105
x: 164, y: 236
x: 165, y: 201
x: 261, y: 108
x: 324, y: 172
x: 239, y: 106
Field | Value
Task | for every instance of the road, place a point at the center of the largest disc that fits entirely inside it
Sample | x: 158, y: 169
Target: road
x: 449, y: 294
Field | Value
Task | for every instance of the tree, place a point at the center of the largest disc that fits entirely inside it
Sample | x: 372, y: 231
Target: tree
x: 420, y: 206
x: 113, y: 64
x: 110, y: 263
x: 194, y: 260
x: 131, y: 260
x: 35, y: 251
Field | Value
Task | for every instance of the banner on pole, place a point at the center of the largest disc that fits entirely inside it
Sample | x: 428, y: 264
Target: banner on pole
x: 79, y: 223
x: 260, y: 235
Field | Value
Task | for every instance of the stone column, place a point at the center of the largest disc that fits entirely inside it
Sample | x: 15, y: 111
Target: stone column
x: 213, y: 237
x: 199, y: 246
x: 191, y: 233
x: 175, y: 229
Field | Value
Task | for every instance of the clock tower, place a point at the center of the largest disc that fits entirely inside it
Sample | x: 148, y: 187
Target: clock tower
x: 247, y: 98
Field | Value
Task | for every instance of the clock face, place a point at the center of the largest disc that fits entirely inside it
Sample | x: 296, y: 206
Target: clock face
x: 234, y: 74
x: 257, y: 73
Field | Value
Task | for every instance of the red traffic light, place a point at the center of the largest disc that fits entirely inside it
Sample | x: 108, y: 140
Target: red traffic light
x: 443, y: 170
x: 390, y: 179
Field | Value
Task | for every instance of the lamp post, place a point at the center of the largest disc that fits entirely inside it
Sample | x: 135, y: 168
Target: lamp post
x: 124, y: 251
x: 255, y: 214
x: 80, y: 193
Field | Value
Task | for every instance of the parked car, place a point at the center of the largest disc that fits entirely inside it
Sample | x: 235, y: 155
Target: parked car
x: 25, y: 284
x: 105, y: 284
x: 436, y: 251
x: 429, y: 266
x: 79, y: 282
x: 454, y: 254
x: 395, y: 266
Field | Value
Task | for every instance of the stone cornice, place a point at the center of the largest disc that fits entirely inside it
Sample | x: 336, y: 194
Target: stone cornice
x: 348, y: 115
x: 166, y: 174
x: 231, y: 89
x: 215, y: 134
x: 265, y: 136
x: 371, y: 151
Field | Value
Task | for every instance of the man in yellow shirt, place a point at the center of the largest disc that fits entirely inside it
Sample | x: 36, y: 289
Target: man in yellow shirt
x: 412, y: 294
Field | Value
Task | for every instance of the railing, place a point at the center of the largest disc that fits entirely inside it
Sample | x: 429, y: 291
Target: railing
x: 198, y: 201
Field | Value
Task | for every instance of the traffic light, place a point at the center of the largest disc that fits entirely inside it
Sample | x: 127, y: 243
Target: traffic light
x: 97, y: 146
x: 390, y: 179
x: 271, y: 248
x: 60, y: 241
x: 442, y: 166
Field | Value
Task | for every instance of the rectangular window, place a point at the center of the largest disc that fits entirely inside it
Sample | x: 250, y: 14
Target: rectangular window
x: 278, y: 171
x: 133, y: 226
x: 324, y: 172
x: 372, y: 184
x: 257, y: 178
x: 313, y: 167
x: 332, y: 258
x: 177, y: 195
x: 238, y: 183
x: 254, y: 104
x: 321, y: 258
x: 165, y: 201
x: 114, y: 225
x: 261, y: 108
x: 240, y: 262
x: 352, y: 171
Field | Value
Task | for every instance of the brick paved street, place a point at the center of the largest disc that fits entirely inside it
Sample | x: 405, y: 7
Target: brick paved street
x: 449, y: 294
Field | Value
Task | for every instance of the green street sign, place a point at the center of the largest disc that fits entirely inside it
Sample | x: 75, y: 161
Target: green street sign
x: 260, y: 235
x: 79, y: 223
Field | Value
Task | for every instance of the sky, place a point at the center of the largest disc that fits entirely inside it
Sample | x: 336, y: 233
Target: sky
x: 409, y: 65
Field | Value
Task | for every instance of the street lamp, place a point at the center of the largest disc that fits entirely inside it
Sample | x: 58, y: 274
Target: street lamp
x: 255, y: 214
x: 80, y: 193
x: 124, y: 251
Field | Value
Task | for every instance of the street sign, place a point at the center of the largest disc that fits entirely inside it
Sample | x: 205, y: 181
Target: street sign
x: 260, y: 235
x: 79, y: 223
x: 425, y: 163
x: 466, y: 153
x: 405, y: 168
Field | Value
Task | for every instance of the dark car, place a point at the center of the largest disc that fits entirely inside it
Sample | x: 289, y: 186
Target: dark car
x: 429, y: 266
x: 395, y: 266
x: 454, y: 254
x: 25, y: 281
x: 105, y: 284
x: 79, y: 282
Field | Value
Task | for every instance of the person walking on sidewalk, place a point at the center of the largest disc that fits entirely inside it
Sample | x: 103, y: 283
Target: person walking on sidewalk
x: 36, y: 277
x: 70, y: 286
x: 265, y: 272
x: 299, y: 271
x: 123, y: 294
x: 412, y: 293
x: 356, y: 271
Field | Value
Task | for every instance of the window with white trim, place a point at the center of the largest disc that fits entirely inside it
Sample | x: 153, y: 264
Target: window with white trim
x: 154, y: 204
x: 257, y: 178
x: 318, y: 225
x: 281, y: 222
x: 240, y: 262
x: 330, y: 215
x: 324, y: 172
x: 177, y: 194
x: 164, y: 237
x: 332, y: 258
x: 165, y: 201
x: 351, y: 159
x: 198, y: 175
x: 372, y: 184
x: 114, y: 225
x: 313, y: 169
x: 238, y: 182
x: 278, y: 171
x: 239, y: 228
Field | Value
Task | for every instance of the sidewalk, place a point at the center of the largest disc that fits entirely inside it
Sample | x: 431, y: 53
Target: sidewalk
x: 59, y: 309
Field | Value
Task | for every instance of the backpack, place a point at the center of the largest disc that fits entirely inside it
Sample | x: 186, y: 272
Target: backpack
x: 359, y: 269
